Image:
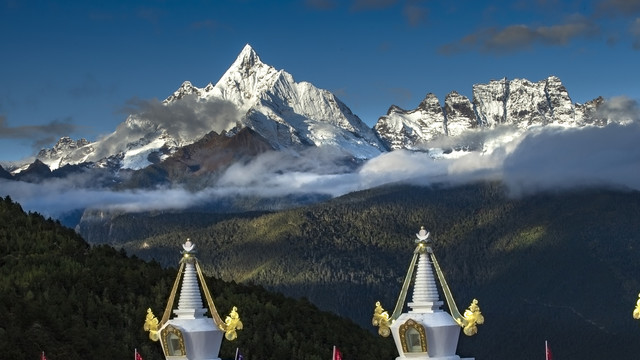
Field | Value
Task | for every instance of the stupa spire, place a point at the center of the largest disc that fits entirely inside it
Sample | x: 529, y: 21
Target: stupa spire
x: 426, y: 331
x: 191, y: 334
x: 425, y: 290
x: 190, y: 299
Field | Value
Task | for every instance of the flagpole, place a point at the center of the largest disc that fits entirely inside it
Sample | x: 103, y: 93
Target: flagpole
x: 333, y: 355
x: 547, y: 353
x: 236, y: 358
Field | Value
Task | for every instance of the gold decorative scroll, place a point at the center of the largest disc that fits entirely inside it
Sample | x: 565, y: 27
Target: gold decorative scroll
x: 636, y: 311
x: 232, y: 323
x: 151, y: 325
x: 381, y: 320
x: 472, y: 316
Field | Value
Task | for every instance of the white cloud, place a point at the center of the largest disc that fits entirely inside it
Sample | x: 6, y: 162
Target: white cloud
x: 545, y: 158
x: 562, y: 159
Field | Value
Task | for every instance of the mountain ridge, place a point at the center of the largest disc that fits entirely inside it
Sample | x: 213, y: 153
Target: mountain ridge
x: 517, y: 102
x: 292, y: 115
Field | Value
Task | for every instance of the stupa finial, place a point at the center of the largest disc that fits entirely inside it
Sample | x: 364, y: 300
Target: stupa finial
x: 423, y: 235
x: 188, y: 246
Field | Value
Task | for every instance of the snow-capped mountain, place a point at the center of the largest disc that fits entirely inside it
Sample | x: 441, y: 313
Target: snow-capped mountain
x: 519, y: 103
x: 285, y: 112
x: 251, y: 94
x: 289, y: 115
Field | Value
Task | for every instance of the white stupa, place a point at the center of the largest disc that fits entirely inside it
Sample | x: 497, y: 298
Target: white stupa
x: 190, y: 334
x: 426, y: 331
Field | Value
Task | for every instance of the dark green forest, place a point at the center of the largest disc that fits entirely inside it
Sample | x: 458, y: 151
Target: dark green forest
x: 555, y: 266
x: 75, y: 301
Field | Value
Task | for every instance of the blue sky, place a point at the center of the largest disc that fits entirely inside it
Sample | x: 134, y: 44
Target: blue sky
x: 70, y: 68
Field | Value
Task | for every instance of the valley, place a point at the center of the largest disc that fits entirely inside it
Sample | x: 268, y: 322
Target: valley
x: 559, y: 266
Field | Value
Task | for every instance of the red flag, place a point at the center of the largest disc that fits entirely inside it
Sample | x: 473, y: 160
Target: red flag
x: 547, y: 351
x: 337, y: 355
x: 137, y: 355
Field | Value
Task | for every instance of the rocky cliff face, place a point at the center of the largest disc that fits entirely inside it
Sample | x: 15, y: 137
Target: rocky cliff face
x: 489, y: 101
x: 56, y: 155
x: 519, y: 103
x: 408, y: 129
x: 563, y: 110
x: 459, y: 114
x: 587, y: 113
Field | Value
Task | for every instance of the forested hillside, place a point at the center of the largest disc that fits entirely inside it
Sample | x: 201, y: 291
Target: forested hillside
x: 561, y: 267
x: 73, y: 301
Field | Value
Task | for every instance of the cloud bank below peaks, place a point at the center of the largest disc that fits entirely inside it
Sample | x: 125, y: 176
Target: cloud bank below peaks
x: 539, y: 159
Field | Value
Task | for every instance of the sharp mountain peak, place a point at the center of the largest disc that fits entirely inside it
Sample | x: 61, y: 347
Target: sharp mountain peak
x: 247, y: 57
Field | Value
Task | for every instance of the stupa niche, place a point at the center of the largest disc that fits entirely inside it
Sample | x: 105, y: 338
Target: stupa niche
x: 191, y: 334
x: 426, y: 331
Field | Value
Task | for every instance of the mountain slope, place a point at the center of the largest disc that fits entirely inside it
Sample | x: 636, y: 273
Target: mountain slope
x: 200, y: 164
x: 4, y: 174
x: 560, y: 267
